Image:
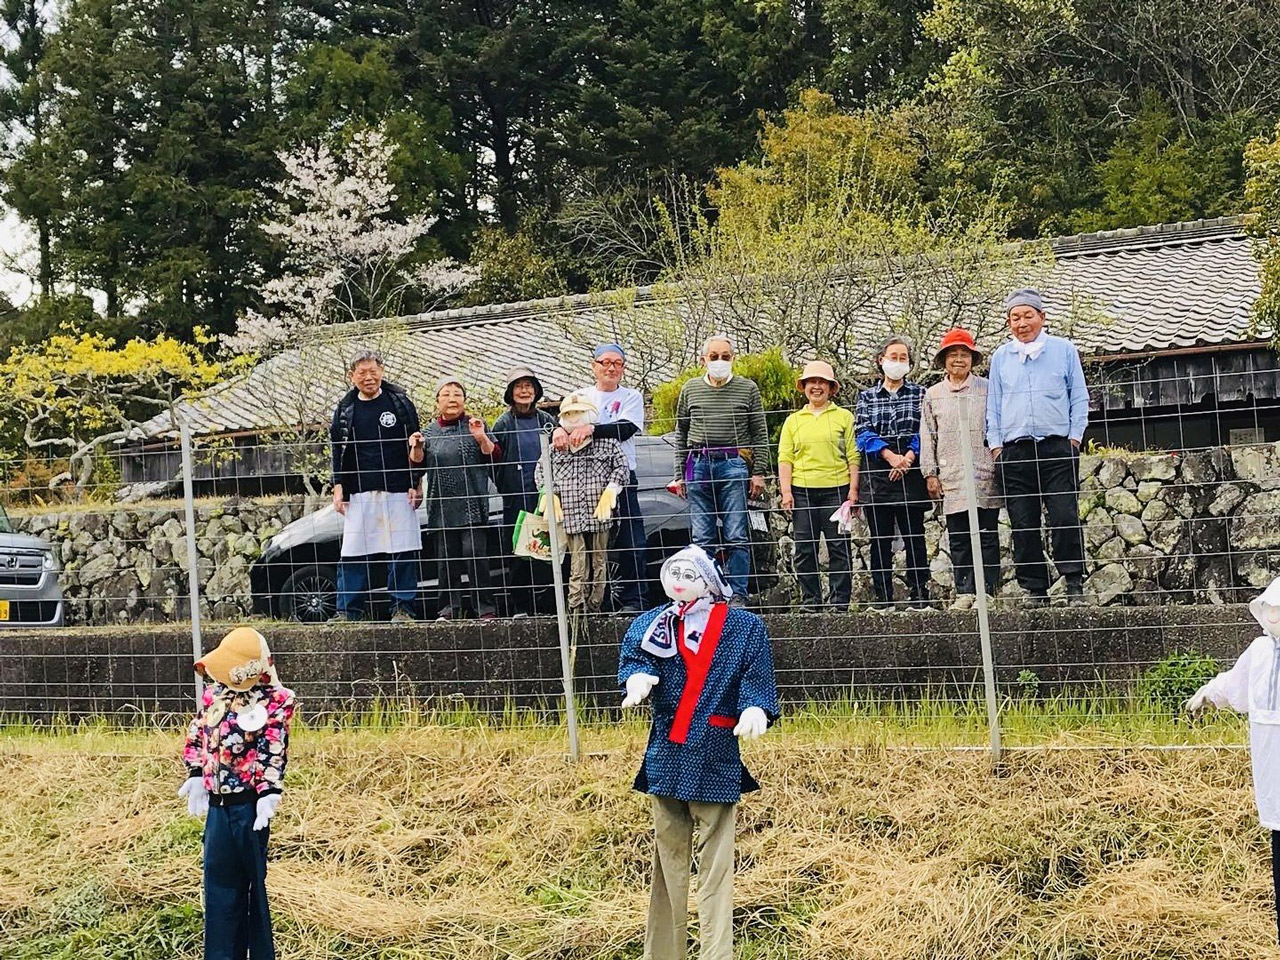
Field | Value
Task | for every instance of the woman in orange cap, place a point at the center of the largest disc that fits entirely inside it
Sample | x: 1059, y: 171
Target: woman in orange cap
x: 955, y: 413
x: 236, y: 751
x: 817, y: 472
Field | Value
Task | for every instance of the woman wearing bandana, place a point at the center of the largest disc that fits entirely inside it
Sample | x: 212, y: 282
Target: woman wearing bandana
x: 708, y: 670
x: 236, y: 751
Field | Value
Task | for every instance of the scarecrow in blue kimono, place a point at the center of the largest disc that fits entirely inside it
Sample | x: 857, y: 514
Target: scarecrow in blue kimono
x: 236, y: 751
x: 708, y: 669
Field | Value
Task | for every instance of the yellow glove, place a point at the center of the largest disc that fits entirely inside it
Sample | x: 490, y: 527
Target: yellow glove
x: 608, y: 500
x: 545, y: 510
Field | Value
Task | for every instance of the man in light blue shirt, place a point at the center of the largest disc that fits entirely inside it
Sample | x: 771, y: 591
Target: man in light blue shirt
x: 1037, y: 411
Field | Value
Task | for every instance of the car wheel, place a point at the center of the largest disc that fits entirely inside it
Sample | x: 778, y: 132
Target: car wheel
x: 310, y: 594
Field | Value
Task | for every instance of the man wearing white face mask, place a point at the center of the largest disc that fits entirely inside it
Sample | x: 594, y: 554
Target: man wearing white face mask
x: 722, y: 456
x: 1252, y: 687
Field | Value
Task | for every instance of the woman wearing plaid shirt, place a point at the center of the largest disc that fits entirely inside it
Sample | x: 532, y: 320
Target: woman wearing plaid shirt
x: 887, y: 427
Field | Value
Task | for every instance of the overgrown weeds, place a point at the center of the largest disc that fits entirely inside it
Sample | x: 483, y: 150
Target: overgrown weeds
x: 473, y: 842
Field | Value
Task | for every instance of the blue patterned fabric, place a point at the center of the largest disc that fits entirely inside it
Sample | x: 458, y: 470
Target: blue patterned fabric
x: 707, y: 767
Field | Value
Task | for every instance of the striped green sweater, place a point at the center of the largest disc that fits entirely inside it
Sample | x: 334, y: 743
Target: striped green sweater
x: 731, y: 415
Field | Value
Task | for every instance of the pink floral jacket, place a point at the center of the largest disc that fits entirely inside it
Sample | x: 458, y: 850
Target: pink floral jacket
x: 240, y: 741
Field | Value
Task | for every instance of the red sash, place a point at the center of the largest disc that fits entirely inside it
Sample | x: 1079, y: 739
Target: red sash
x: 696, y: 666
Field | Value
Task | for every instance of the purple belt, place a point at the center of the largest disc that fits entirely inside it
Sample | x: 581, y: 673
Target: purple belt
x: 725, y: 453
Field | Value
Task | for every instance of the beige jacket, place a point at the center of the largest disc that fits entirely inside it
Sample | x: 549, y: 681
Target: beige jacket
x: 941, y: 433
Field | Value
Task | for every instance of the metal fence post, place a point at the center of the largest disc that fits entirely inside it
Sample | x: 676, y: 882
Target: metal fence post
x: 193, y: 576
x: 562, y: 613
x: 979, y: 575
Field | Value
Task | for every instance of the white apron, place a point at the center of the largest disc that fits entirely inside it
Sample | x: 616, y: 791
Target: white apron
x: 380, y: 522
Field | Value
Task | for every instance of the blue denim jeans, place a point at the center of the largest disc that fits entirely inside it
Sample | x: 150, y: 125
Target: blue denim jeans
x: 718, y: 495
x: 237, y: 922
x: 402, y: 583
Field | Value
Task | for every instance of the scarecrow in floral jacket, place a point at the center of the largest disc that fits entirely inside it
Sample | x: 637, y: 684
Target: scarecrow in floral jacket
x: 236, y: 750
x: 709, y: 668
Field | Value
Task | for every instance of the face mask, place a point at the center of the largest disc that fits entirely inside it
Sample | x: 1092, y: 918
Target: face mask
x: 895, y: 369
x: 719, y: 369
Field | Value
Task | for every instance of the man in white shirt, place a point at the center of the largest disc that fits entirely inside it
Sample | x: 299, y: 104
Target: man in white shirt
x: 621, y: 418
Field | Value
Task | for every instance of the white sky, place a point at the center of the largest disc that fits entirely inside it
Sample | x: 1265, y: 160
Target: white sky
x: 17, y: 254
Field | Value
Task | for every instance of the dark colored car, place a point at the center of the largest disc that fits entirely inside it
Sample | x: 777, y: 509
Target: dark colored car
x: 296, y: 576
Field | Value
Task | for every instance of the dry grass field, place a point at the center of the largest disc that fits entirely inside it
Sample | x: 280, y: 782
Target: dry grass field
x: 480, y: 842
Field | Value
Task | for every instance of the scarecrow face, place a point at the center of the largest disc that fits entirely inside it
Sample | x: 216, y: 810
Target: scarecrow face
x: 572, y: 419
x: 1269, y: 617
x: 683, y: 581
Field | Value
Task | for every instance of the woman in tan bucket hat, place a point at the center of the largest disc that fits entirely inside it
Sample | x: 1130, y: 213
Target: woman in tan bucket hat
x: 817, y: 472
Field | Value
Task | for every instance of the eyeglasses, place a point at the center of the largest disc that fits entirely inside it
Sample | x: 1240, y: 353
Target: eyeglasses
x: 612, y: 364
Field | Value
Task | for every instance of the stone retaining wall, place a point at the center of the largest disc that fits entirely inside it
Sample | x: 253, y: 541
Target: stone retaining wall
x: 128, y: 564
x: 1160, y: 528
x: 1202, y: 527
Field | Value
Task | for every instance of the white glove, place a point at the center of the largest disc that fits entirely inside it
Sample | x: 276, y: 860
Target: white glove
x: 639, y: 686
x: 197, y: 796
x: 751, y: 723
x: 266, y: 810
x: 1199, y: 700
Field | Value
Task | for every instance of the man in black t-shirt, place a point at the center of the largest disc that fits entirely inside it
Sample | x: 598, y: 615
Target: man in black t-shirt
x: 377, y: 486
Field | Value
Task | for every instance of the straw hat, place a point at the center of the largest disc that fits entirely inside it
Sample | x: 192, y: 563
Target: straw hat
x: 239, y: 661
x: 957, y: 337
x: 818, y: 370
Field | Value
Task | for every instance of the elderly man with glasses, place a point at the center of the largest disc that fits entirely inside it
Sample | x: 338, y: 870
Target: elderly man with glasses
x: 621, y: 417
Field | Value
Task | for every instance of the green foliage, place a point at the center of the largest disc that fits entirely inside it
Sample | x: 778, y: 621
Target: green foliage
x: 44, y: 316
x: 775, y: 377
x: 141, y: 141
x: 1028, y: 684
x: 92, y: 933
x: 1171, y: 681
x: 513, y: 267
x: 1061, y: 105
x: 1148, y: 176
x: 1262, y: 193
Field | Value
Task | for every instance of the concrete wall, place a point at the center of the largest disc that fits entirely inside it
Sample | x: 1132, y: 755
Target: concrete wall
x: 127, y: 671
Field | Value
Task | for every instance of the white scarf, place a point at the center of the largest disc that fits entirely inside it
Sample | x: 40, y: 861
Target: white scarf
x: 660, y: 638
x: 1029, y: 351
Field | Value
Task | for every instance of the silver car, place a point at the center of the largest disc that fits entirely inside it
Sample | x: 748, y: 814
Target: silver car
x: 30, y: 594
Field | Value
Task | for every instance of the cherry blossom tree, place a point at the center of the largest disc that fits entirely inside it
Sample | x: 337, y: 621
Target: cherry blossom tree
x: 347, y: 257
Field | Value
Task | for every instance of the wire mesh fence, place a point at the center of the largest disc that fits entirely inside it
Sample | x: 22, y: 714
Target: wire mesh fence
x: 866, y: 610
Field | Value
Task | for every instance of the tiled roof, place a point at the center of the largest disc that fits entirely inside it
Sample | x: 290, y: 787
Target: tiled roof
x: 1124, y: 291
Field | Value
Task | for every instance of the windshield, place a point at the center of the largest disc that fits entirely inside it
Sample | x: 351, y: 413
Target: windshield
x: 5, y: 525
